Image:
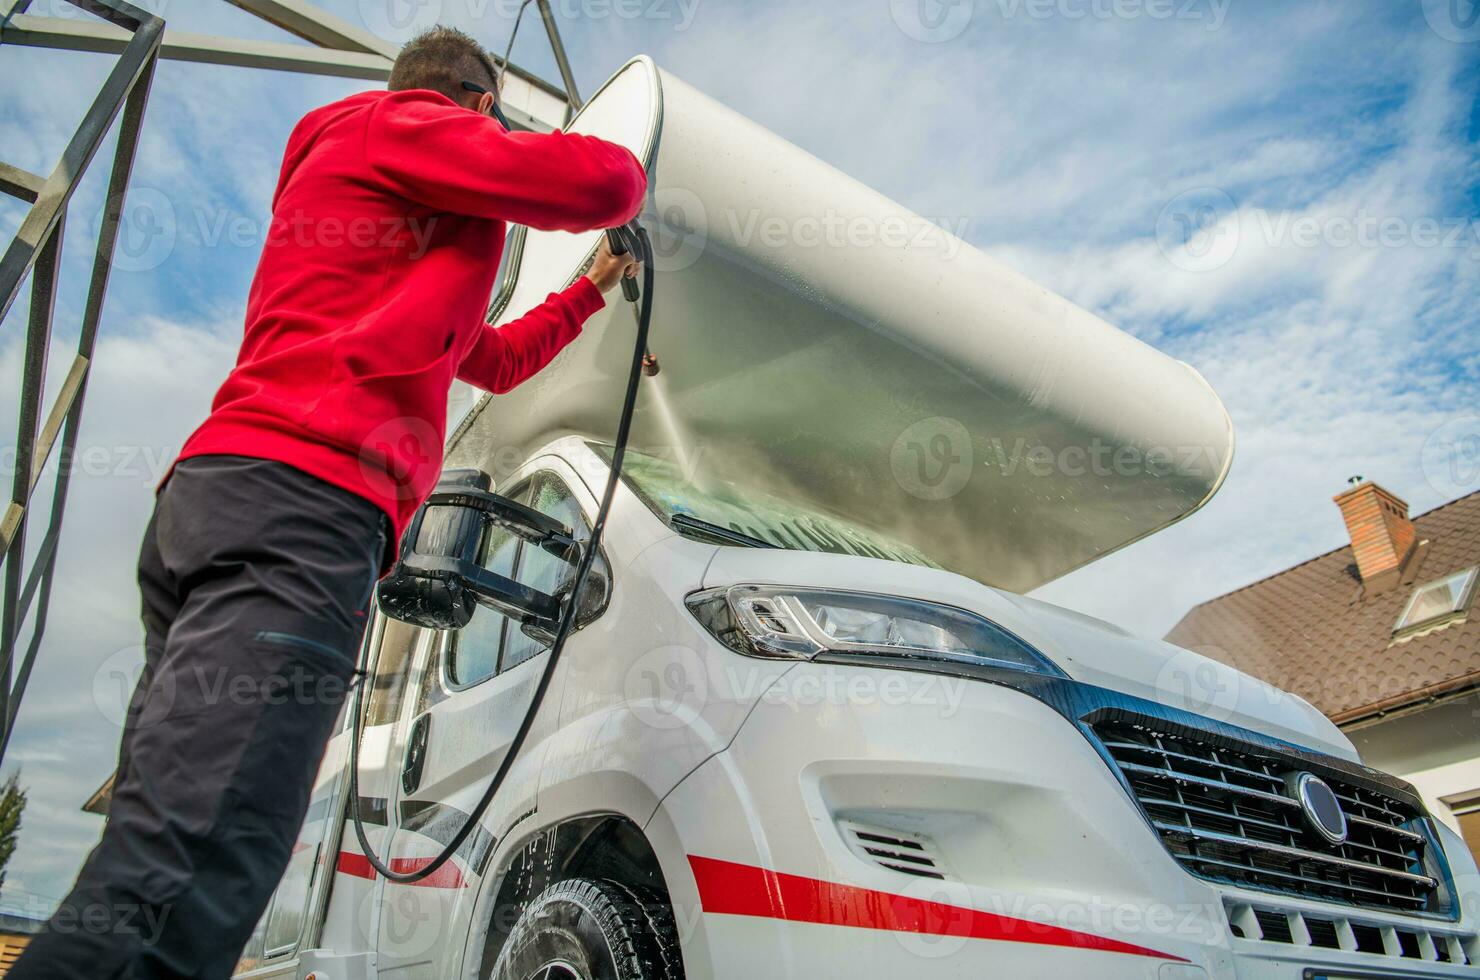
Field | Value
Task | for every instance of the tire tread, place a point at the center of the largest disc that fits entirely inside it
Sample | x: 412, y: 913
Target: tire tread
x: 637, y: 924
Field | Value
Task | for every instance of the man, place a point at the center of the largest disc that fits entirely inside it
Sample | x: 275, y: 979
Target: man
x: 286, y: 504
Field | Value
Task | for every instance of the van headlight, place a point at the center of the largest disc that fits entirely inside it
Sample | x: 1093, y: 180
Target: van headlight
x: 802, y: 624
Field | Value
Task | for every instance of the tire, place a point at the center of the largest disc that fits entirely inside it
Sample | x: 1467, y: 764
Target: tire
x: 590, y: 929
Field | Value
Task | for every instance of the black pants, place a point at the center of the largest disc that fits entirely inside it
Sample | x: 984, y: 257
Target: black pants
x: 256, y: 581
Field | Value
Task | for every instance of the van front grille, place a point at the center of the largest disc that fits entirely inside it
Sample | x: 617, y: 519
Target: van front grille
x: 1224, y: 813
x: 1295, y: 927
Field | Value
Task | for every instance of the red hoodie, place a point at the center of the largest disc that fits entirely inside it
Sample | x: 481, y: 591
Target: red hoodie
x: 387, y: 228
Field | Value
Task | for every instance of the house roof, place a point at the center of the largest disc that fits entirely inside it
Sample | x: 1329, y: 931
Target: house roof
x: 102, y: 797
x: 1314, y: 630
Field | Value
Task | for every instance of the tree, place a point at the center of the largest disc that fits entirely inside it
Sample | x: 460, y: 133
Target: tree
x: 12, y: 803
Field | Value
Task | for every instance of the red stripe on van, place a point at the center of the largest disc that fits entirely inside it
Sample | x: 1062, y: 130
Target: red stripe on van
x: 726, y: 888
x: 358, y: 866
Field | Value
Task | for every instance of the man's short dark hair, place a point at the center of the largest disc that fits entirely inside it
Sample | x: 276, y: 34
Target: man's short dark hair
x: 441, y: 59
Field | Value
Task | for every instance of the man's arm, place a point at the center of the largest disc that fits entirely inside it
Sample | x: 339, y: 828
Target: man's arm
x: 455, y: 160
x: 504, y: 357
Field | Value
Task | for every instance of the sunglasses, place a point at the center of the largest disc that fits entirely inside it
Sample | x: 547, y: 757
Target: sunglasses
x: 497, y: 112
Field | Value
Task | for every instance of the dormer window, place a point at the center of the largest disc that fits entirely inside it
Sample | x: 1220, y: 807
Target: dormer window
x: 1437, y: 602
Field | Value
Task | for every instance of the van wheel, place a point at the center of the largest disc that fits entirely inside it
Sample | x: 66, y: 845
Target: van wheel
x: 589, y: 929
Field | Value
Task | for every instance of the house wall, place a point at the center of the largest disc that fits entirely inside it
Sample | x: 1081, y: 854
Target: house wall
x: 1437, y: 750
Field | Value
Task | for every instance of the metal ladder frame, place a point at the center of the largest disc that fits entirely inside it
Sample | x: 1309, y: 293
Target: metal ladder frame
x: 139, y: 38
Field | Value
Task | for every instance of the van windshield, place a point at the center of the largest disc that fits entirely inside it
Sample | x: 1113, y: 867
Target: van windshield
x: 748, y: 518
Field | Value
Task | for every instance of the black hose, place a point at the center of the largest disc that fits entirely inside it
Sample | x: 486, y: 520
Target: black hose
x: 557, y: 645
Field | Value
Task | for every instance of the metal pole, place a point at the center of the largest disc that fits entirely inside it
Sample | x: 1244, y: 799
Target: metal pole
x: 38, y: 224
x: 36, y: 252
x: 572, y: 97
x: 45, y: 572
x: 38, y: 339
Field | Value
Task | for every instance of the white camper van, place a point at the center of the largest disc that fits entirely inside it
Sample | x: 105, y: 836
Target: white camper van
x: 808, y: 725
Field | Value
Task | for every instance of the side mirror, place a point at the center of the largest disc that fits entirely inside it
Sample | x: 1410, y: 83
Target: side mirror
x: 439, y: 580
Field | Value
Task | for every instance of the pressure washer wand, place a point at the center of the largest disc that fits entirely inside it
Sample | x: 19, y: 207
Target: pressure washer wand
x: 617, y: 239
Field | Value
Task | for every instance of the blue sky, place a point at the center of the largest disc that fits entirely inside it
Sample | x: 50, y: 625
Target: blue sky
x: 1333, y: 299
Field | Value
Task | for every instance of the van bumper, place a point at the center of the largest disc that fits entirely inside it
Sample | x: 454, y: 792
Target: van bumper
x: 880, y: 823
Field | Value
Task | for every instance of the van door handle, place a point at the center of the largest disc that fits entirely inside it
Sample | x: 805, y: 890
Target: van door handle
x: 416, y: 753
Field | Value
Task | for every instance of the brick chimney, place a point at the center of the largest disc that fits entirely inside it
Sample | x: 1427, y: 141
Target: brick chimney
x: 1382, y: 535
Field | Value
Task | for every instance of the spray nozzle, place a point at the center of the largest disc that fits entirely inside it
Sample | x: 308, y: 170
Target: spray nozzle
x: 650, y: 366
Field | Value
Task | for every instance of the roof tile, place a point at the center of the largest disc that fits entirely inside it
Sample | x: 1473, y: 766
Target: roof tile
x: 1310, y: 629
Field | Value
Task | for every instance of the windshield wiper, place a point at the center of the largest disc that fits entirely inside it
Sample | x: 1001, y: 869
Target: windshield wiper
x: 694, y: 527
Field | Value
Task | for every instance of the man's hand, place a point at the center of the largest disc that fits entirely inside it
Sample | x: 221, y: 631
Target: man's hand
x: 607, y: 269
